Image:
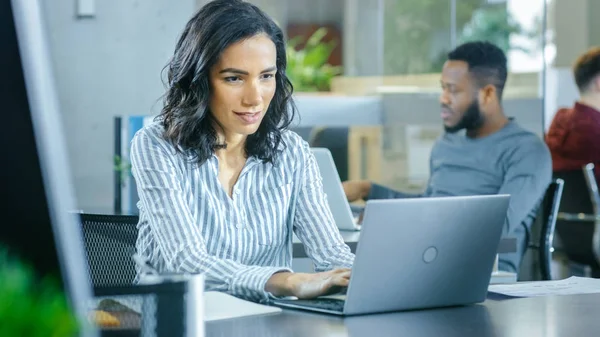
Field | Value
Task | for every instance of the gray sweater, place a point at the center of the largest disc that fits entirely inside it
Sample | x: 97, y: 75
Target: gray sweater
x: 511, y: 161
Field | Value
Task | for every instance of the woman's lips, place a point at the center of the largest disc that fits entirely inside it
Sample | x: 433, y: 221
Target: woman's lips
x: 249, y: 117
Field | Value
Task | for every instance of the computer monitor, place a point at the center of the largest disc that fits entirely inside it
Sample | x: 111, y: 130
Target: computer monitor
x: 36, y: 193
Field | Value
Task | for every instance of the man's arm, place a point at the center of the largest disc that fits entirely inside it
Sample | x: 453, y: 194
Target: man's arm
x: 377, y: 191
x: 367, y: 190
x: 381, y: 192
x: 528, y: 174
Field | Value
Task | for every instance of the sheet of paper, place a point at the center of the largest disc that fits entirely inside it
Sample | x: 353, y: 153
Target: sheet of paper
x: 218, y: 306
x: 570, y: 286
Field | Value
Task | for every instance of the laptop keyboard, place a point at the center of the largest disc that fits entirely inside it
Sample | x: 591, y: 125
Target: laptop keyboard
x: 320, y: 303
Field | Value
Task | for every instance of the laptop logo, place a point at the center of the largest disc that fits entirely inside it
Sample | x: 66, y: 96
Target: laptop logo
x: 430, y: 254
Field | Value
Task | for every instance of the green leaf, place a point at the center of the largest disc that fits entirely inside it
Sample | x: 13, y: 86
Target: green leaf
x: 31, y: 307
x: 307, y: 68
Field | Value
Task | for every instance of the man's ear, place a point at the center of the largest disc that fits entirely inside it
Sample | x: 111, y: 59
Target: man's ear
x: 487, y: 94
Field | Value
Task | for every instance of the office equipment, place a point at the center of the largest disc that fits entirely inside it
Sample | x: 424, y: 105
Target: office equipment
x: 570, y: 286
x: 411, y: 251
x: 169, y: 308
x: 36, y: 191
x: 332, y: 186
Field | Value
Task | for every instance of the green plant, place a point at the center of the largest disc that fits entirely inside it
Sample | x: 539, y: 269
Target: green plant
x: 123, y: 167
x: 417, y: 32
x: 495, y: 24
x: 31, y: 307
x: 307, y: 67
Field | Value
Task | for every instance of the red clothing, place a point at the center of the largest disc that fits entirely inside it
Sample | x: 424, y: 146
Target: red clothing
x: 574, y: 139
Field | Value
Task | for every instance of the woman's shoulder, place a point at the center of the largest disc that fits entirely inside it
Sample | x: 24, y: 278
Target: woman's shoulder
x: 292, y: 144
x: 153, y: 130
x: 151, y: 136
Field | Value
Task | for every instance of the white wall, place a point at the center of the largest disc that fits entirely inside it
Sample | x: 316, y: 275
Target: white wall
x: 105, y: 66
x: 561, y: 92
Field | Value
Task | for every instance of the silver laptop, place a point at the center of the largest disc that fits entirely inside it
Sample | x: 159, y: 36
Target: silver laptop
x: 419, y: 253
x: 332, y: 186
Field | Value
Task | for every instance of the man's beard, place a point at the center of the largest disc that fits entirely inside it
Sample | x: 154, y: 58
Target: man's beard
x: 472, y: 119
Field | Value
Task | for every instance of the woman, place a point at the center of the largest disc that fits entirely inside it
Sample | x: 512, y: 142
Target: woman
x: 222, y: 183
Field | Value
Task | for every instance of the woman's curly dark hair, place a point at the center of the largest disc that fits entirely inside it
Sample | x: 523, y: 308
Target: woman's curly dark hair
x: 186, y: 117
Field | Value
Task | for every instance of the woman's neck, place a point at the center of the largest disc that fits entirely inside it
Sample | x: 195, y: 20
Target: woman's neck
x: 234, y: 146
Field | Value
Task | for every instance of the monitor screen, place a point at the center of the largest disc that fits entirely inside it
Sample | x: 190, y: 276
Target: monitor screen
x: 36, y: 198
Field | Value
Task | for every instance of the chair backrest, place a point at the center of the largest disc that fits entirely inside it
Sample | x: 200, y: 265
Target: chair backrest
x: 577, y: 198
x: 576, y: 235
x: 592, y: 184
x: 110, y: 242
x: 335, y: 139
x: 549, y: 212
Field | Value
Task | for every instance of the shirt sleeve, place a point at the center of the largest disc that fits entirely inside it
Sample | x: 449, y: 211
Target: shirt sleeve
x: 528, y: 174
x: 162, y: 192
x: 313, y: 222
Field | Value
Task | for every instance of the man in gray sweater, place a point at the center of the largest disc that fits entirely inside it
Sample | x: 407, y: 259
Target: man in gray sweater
x: 482, y: 151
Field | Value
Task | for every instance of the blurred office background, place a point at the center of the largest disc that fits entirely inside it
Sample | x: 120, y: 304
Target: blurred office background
x: 379, y: 114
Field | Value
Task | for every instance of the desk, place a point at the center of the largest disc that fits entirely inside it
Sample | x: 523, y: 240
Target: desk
x: 507, y: 245
x: 574, y: 315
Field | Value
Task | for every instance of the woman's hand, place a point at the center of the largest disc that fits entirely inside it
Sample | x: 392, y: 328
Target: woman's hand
x: 307, y: 286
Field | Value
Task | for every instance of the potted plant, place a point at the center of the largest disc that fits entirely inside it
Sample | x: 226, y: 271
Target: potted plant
x: 31, y: 307
x: 307, y: 67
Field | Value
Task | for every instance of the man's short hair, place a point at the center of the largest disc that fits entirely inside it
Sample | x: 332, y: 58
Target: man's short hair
x: 586, y: 68
x: 487, y: 63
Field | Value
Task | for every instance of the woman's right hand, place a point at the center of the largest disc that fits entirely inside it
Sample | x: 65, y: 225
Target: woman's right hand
x: 306, y: 285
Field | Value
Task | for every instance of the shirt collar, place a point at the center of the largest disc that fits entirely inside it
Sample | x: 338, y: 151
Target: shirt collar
x: 580, y: 107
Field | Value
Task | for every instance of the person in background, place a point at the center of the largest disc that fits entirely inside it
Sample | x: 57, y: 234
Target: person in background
x: 482, y: 151
x: 223, y: 184
x: 574, y: 135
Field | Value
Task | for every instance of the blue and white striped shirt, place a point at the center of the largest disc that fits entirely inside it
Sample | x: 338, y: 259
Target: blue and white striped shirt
x: 188, y: 223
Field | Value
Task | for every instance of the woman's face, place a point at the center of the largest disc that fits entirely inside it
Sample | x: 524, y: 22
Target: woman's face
x: 243, y: 84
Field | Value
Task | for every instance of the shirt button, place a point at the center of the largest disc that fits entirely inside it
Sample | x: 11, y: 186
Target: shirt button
x: 238, y: 225
x: 237, y: 192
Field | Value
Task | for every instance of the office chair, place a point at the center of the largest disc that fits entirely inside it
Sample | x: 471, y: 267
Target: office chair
x: 578, y: 224
x: 336, y: 140
x: 110, y: 242
x: 592, y: 185
x: 548, y: 215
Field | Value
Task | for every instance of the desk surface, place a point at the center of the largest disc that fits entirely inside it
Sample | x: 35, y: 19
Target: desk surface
x: 574, y: 315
